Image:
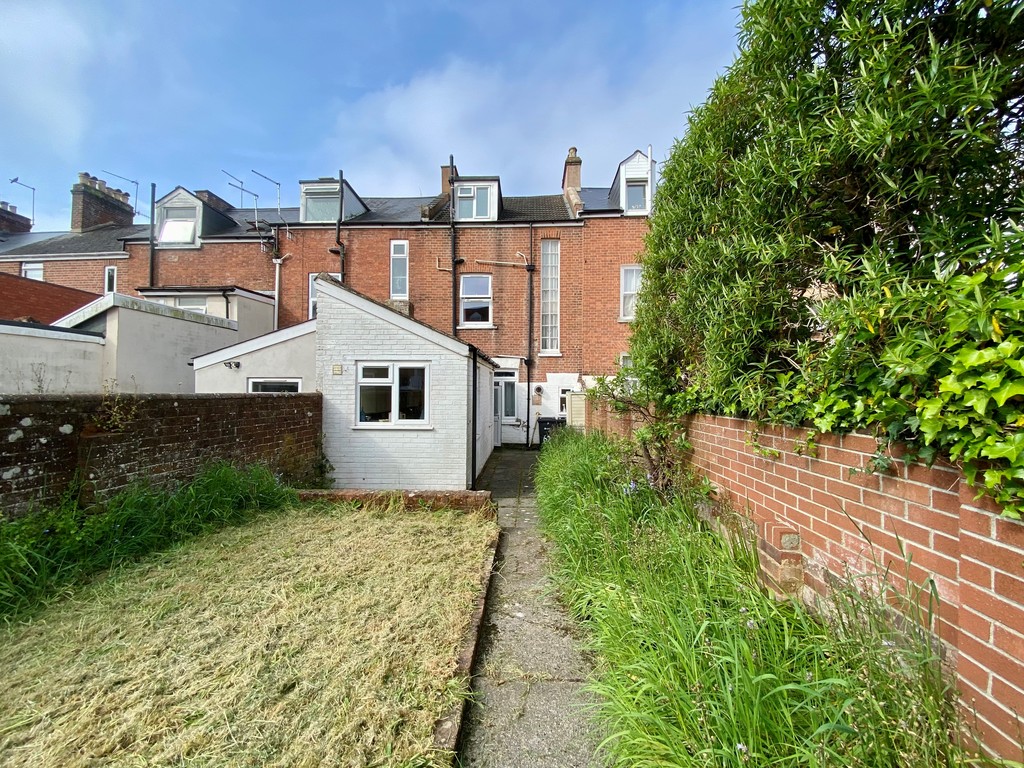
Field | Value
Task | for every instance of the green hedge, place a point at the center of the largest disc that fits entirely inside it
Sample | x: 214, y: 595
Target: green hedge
x: 837, y: 240
x: 47, y: 550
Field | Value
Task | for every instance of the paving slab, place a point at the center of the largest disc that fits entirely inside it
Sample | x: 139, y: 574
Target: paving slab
x: 530, y: 707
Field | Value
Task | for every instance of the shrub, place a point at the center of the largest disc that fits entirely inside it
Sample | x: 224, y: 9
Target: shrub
x: 838, y: 236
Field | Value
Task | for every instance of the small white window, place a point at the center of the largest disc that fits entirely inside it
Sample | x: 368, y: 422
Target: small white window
x: 507, y: 381
x: 275, y: 385
x: 110, y: 279
x: 476, y: 300
x: 399, y: 269
x: 549, y: 295
x: 629, y: 288
x: 472, y: 202
x: 320, y: 206
x: 191, y: 303
x: 391, y: 393
x: 636, y: 196
x: 32, y: 270
x: 563, y: 399
x: 179, y: 225
x: 312, y: 291
x: 625, y: 360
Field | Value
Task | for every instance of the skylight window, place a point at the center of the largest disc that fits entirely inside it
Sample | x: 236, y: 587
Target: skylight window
x: 179, y: 225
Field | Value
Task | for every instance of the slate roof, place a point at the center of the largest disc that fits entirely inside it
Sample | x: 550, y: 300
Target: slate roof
x: 598, y: 199
x: 530, y: 208
x: 102, y: 239
x: 391, y: 210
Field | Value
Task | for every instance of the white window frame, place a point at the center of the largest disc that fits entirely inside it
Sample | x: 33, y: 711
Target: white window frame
x: 393, y: 381
x: 642, y: 184
x: 472, y: 192
x: 563, y: 399
x: 623, y: 293
x: 509, y: 381
x: 400, y: 258
x: 550, y: 296
x: 181, y: 302
x: 178, y: 230
x: 30, y: 268
x: 271, y: 380
x: 464, y: 297
x: 312, y: 291
x: 110, y: 279
x: 318, y: 191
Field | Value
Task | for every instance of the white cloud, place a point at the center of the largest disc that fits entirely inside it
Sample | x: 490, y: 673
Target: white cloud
x: 517, y: 118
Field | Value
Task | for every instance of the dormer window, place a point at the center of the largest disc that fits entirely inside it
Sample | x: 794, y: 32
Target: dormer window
x: 178, y: 225
x: 472, y: 201
x: 636, y: 196
x: 319, y: 202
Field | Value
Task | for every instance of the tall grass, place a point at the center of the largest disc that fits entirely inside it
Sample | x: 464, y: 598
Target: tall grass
x: 48, y: 550
x: 699, y: 666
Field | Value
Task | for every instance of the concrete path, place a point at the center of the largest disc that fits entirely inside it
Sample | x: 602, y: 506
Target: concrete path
x: 530, y: 707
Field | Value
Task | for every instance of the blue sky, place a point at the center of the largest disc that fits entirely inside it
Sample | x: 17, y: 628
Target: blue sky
x: 176, y: 93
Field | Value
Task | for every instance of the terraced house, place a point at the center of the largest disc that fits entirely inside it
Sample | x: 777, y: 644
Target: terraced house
x: 544, y: 285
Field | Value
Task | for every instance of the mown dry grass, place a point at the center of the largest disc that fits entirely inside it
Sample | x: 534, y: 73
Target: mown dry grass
x: 323, y: 636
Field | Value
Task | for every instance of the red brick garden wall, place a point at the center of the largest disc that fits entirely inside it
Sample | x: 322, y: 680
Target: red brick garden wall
x: 166, y: 439
x: 807, y: 506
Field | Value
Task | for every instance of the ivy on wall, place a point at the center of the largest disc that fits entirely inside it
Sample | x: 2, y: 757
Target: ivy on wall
x: 838, y: 238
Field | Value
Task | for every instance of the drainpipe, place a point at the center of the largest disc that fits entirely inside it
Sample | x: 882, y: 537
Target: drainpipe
x: 227, y: 304
x: 340, y: 249
x: 451, y: 219
x: 152, y: 235
x: 476, y: 368
x: 529, y: 339
x: 277, y: 291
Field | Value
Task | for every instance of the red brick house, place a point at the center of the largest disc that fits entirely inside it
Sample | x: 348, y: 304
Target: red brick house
x: 542, y: 284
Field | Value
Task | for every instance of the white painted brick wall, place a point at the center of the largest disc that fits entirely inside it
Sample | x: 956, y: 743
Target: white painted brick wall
x: 390, y: 457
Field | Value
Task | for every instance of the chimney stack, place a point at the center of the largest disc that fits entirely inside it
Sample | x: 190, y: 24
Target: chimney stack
x: 572, y: 176
x: 94, y: 203
x: 212, y: 200
x: 446, y: 179
x: 11, y: 221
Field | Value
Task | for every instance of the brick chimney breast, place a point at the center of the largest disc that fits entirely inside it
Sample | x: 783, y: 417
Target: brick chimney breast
x: 11, y: 221
x: 94, y: 203
x: 572, y: 176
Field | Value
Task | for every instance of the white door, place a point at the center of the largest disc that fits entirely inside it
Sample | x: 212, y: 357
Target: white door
x: 499, y: 408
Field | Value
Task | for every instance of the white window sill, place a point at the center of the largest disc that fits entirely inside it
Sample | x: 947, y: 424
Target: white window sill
x: 393, y: 427
x: 627, y: 319
x: 482, y: 327
x: 179, y: 246
x: 549, y: 354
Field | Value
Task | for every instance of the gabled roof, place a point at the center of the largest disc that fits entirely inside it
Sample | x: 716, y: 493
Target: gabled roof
x: 329, y: 286
x: 254, y: 344
x: 44, y: 303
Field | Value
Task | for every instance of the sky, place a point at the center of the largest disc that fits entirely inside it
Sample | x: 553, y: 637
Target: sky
x: 176, y: 94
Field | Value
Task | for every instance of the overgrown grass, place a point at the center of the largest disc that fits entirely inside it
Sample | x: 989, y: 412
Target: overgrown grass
x: 48, y: 550
x: 698, y: 666
x: 323, y: 635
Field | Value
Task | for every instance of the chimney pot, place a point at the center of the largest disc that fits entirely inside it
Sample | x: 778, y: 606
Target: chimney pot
x: 3, y: 205
x: 12, y: 208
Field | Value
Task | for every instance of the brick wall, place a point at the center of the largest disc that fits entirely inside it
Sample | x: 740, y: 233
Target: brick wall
x: 807, y: 507
x: 165, y: 439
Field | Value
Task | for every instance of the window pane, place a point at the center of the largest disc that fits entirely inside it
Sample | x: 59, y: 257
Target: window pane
x: 32, y: 271
x: 629, y: 305
x: 510, y: 399
x: 110, y: 279
x: 376, y: 372
x: 178, y: 231
x: 374, y: 402
x: 192, y: 303
x: 273, y: 386
x: 476, y: 311
x: 631, y: 279
x: 321, y: 208
x: 411, y: 393
x: 549, y: 295
x: 465, y: 208
x: 184, y: 213
x: 399, y: 277
x: 636, y: 197
x: 482, y: 196
x: 476, y: 285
